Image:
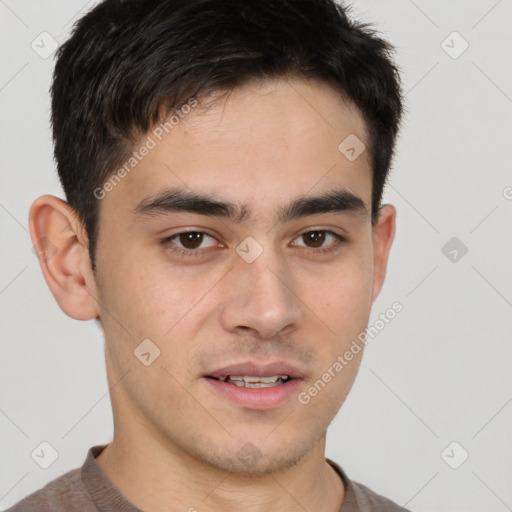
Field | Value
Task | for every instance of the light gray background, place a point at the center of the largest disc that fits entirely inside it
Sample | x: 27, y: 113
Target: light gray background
x: 438, y: 373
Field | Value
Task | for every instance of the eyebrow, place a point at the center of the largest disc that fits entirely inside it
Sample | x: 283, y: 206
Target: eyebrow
x: 180, y: 200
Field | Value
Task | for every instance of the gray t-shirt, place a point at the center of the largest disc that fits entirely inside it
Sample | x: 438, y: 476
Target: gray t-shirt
x: 87, y: 489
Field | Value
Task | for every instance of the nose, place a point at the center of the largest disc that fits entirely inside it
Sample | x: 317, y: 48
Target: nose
x: 259, y: 298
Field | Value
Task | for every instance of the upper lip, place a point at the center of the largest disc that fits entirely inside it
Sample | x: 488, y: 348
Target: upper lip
x: 257, y: 370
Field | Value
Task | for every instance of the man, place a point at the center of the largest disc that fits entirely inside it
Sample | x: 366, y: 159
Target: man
x: 223, y: 163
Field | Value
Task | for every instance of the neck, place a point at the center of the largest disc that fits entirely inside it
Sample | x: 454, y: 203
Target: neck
x: 153, y: 477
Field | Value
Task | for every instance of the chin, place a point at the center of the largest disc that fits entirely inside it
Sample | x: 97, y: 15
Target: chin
x: 257, y: 463
x: 254, y: 455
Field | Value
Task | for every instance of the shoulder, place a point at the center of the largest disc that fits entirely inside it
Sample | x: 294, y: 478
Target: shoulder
x: 370, y: 500
x: 65, y: 493
x: 360, y: 498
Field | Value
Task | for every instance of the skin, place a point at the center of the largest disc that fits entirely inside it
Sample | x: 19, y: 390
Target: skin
x: 175, y: 440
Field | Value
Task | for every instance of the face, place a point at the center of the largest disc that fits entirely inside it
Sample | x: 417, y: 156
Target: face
x: 257, y: 294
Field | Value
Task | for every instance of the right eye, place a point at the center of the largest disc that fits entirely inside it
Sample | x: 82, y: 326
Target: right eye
x: 190, y: 242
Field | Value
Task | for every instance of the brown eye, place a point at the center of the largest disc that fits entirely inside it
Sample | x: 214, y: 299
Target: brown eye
x: 316, y: 238
x: 188, y: 243
x: 191, y: 239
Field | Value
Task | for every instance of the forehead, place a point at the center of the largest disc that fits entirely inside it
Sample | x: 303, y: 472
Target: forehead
x: 257, y: 146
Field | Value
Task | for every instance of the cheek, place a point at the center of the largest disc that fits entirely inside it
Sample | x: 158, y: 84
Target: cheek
x: 154, y: 299
x: 343, y: 298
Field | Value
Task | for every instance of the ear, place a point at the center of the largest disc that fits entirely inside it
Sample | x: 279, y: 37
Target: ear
x: 61, y: 246
x: 383, y: 235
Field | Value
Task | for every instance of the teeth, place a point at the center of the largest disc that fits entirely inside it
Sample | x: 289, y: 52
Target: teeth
x: 266, y: 380
x: 258, y: 384
x: 250, y: 381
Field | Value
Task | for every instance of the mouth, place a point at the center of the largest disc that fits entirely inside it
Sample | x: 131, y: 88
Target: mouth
x: 255, y: 386
x: 248, y: 381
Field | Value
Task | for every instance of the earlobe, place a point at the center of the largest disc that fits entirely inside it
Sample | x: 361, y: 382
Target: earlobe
x: 383, y: 236
x: 61, y: 246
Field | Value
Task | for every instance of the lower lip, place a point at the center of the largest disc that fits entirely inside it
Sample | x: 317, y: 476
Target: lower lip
x: 256, y: 398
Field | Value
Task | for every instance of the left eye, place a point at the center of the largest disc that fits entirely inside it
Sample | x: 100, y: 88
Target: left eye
x: 319, y: 236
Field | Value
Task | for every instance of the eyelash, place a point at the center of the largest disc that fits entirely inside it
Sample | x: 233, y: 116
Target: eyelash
x: 166, y: 242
